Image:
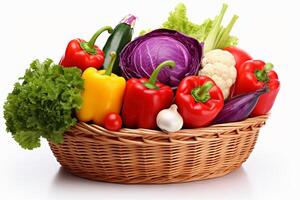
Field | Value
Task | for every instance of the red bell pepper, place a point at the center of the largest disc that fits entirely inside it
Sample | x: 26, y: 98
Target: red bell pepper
x: 144, y: 98
x: 199, y: 101
x: 82, y: 54
x: 253, y: 75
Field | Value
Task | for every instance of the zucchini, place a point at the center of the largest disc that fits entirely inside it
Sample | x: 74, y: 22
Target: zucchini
x: 121, y: 35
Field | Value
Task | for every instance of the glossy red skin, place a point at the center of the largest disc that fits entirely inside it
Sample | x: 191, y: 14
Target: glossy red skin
x: 141, y: 105
x: 198, y: 114
x: 113, y: 122
x: 247, y: 82
x: 75, y: 56
x: 240, y: 56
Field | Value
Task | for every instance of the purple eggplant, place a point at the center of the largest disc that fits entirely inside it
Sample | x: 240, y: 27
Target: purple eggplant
x: 239, y: 107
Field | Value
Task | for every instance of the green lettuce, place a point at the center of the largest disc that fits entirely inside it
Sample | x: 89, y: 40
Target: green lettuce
x: 43, y: 103
x: 179, y: 21
x: 211, y: 32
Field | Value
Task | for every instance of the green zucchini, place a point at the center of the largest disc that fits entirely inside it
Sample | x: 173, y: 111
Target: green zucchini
x: 121, y: 35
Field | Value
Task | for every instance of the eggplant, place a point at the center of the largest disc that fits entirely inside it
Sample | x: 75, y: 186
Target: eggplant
x: 239, y: 107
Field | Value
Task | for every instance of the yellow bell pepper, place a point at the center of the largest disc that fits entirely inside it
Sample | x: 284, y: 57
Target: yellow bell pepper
x: 103, y: 93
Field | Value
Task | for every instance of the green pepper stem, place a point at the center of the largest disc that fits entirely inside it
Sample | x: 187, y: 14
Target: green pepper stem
x: 262, y: 75
x: 201, y: 93
x: 110, y: 66
x: 89, y: 46
x: 152, y: 80
x: 268, y: 67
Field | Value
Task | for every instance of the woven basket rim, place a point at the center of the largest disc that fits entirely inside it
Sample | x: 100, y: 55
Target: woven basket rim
x: 141, y: 136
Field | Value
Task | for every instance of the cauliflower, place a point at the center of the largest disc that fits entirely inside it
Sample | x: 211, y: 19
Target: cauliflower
x: 219, y: 65
x: 218, y: 56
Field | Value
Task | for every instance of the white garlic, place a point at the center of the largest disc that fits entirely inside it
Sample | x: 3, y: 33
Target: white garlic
x: 169, y: 120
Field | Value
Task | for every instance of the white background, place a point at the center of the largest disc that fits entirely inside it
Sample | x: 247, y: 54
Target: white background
x: 268, y: 30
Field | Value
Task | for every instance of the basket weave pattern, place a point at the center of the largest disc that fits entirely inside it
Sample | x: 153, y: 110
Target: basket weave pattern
x: 149, y: 156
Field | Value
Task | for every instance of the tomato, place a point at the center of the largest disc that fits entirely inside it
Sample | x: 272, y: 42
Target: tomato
x: 113, y: 122
x: 239, y: 55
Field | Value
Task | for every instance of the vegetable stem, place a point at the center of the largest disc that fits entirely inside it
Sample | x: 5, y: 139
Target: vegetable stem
x: 201, y: 93
x: 262, y: 75
x: 268, y: 67
x: 221, y: 42
x: 210, y: 41
x: 89, y: 46
x: 113, y: 56
x: 129, y: 20
x: 151, y: 83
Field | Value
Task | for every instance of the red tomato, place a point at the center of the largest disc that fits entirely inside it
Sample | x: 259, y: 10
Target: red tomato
x: 113, y: 122
x: 239, y: 55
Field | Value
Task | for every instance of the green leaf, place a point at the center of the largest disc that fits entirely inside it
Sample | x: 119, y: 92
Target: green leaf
x: 179, y: 21
x: 210, y: 31
x: 43, y: 103
x: 27, y: 139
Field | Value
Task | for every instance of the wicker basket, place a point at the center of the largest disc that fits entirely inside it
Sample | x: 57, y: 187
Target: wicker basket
x: 148, y: 156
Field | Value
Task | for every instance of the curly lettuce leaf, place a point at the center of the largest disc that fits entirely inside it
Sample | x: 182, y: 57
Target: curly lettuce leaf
x: 43, y: 103
x: 211, y: 32
x: 179, y: 21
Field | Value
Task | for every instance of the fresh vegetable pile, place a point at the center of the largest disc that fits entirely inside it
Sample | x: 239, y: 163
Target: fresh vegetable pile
x: 181, y: 75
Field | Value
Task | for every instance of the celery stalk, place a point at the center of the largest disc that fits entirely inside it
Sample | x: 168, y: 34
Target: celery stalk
x: 210, y: 41
x: 221, y: 42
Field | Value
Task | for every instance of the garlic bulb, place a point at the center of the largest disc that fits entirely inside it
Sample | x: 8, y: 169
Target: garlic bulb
x: 169, y: 120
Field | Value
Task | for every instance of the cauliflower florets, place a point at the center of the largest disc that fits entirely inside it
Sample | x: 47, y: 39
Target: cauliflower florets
x: 218, y: 56
x: 219, y: 65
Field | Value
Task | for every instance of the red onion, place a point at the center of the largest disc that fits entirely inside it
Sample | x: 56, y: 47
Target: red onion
x: 239, y: 107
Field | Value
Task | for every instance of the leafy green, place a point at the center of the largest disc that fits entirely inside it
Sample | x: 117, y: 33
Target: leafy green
x: 43, y: 103
x: 145, y: 31
x: 218, y: 37
x: 210, y: 31
x: 179, y: 21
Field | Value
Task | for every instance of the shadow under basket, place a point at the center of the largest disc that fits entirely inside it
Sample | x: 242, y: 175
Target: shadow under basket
x: 151, y: 156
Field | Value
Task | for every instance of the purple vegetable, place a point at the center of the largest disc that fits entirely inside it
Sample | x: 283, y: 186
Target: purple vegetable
x: 129, y: 19
x: 239, y: 108
x: 140, y: 57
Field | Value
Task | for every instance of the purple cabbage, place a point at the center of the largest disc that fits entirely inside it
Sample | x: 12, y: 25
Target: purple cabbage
x: 239, y: 107
x: 141, y: 56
